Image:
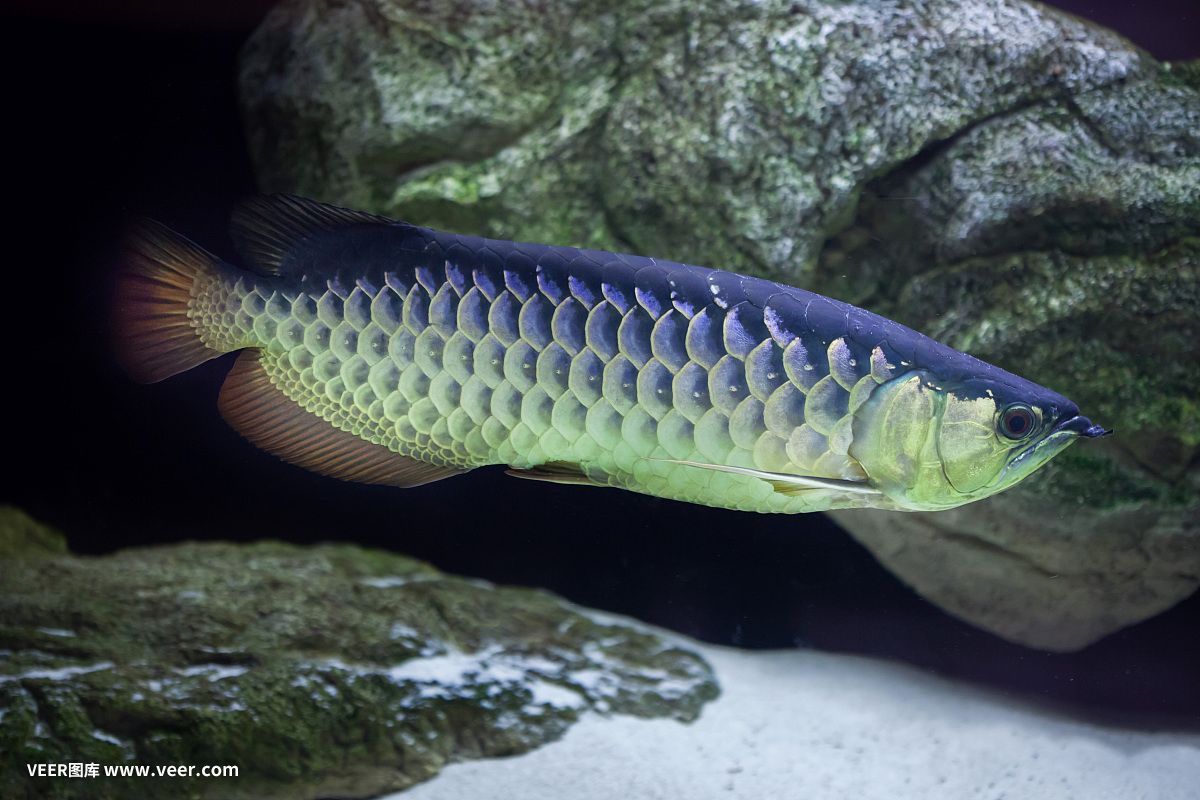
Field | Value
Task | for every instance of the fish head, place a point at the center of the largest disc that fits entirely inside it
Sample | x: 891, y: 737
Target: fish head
x: 930, y: 443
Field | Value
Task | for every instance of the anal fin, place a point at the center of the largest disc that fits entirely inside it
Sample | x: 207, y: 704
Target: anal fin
x: 555, y: 472
x: 259, y: 410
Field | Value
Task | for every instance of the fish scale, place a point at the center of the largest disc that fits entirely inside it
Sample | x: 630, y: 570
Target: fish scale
x: 381, y: 352
x: 529, y: 357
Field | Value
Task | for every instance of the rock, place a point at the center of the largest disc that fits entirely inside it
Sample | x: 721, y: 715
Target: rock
x: 731, y: 133
x: 1012, y: 180
x: 1061, y: 589
x: 22, y: 536
x: 803, y: 724
x: 318, y: 671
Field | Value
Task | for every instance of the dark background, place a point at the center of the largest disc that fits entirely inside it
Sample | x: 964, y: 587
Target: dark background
x: 127, y: 108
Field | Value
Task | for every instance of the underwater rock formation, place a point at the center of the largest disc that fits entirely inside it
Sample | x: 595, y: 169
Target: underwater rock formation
x: 1009, y: 179
x: 319, y: 671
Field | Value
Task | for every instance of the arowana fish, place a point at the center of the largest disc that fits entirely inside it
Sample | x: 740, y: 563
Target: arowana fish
x: 378, y: 351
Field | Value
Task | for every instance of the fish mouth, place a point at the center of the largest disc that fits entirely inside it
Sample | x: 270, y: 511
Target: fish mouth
x: 1041, y: 451
x: 1081, y: 426
x: 1029, y: 459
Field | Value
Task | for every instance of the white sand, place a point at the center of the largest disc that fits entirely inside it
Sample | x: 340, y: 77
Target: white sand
x: 811, y: 726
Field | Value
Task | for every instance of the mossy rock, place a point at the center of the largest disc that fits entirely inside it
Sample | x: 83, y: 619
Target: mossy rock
x: 325, y: 671
x: 21, y: 536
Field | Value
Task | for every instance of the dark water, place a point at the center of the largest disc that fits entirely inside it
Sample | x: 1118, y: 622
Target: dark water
x: 132, y: 110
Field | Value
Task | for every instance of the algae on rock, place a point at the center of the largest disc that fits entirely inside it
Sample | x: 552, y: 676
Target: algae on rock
x: 1010, y: 179
x: 318, y: 671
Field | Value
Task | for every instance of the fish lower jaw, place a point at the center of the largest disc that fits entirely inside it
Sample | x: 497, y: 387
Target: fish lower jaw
x: 1031, y: 459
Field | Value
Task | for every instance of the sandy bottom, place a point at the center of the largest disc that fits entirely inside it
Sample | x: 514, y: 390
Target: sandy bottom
x: 801, y: 724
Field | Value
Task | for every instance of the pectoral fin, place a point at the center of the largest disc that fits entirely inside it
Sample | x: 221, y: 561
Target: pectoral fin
x: 785, y: 483
x: 555, y: 472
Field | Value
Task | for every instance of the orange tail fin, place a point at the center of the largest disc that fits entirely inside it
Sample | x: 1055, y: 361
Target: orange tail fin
x: 155, y: 337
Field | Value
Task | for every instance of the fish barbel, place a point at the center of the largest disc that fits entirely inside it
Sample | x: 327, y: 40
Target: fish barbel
x: 381, y: 352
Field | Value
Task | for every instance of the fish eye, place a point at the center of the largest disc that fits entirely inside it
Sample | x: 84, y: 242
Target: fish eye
x: 1016, y: 421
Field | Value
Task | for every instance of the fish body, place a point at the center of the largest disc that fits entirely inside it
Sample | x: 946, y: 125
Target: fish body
x: 384, y: 352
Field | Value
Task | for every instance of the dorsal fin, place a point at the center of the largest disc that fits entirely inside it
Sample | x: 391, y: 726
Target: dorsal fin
x: 261, y: 412
x: 267, y: 230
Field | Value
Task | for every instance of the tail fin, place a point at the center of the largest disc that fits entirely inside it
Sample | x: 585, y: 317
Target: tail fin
x: 155, y: 338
